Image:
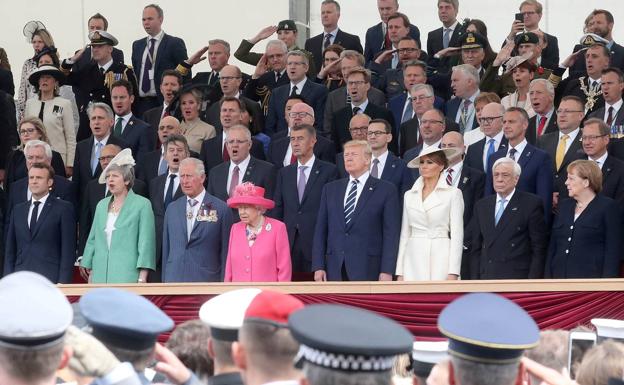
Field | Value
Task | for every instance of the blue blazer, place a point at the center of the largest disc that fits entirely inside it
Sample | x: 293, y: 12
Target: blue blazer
x: 301, y: 217
x: 202, y: 257
x: 369, y: 244
x: 171, y: 52
x: 588, y: 247
x: 396, y: 172
x: 314, y: 94
x: 375, y: 39
x: 50, y: 249
x: 536, y: 176
x: 138, y: 135
x: 452, y: 106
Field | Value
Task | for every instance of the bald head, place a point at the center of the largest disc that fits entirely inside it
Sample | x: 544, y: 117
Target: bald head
x: 454, y: 139
x: 168, y: 125
x: 358, y: 126
x: 301, y: 114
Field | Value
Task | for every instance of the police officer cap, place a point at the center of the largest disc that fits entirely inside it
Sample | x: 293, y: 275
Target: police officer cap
x: 527, y: 38
x: 425, y: 354
x: 123, y: 319
x: 286, y: 25
x: 102, y: 38
x: 348, y: 339
x: 609, y: 329
x: 225, y: 313
x: 33, y: 312
x: 473, y: 40
x: 488, y: 328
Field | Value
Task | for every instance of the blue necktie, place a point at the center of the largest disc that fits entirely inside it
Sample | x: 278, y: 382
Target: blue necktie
x: 169, y: 193
x: 409, y: 111
x: 96, y: 158
x: 350, y: 204
x: 490, y: 151
x: 499, y: 212
x: 163, y: 166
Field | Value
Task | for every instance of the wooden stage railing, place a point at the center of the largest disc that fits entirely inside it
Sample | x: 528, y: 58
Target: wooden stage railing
x: 495, y: 286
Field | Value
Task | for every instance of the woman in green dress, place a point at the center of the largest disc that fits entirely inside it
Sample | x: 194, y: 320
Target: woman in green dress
x: 121, y: 247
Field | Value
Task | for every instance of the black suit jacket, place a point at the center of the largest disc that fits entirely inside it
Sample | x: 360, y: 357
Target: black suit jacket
x: 212, y: 152
x: 396, y: 172
x: 314, y: 45
x: 138, y: 136
x: 6, y: 82
x: 341, y: 119
x: 323, y: 149
x: 613, y: 179
x: 152, y: 117
x: 16, y: 167
x: 474, y: 154
x: 548, y: 143
x: 93, y: 194
x: 572, y: 87
x: 50, y: 248
x: 259, y: 172
x: 82, y: 162
x: 314, y: 94
x: 531, y: 133
x: 516, y: 247
x: 375, y: 39
x: 85, y: 59
x: 588, y: 247
x: 471, y: 184
x: 300, y: 217
x: 435, y: 44
x: 410, y: 132
x: 8, y: 127
x: 213, y: 115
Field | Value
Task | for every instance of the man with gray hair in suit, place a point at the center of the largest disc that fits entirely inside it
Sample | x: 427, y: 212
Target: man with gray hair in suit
x: 196, y: 230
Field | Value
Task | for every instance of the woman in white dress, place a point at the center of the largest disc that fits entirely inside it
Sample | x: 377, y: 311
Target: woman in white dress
x: 432, y: 231
x: 522, y: 75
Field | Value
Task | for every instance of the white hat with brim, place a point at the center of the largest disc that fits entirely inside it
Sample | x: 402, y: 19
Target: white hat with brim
x: 124, y: 158
x: 609, y: 328
x: 448, y: 152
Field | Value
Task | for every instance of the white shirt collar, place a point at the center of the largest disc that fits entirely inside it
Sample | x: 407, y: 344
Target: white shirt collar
x: 452, y: 27
x: 572, y: 135
x: 333, y: 33
x: 299, y: 85
x: 242, y: 165
x: 158, y: 37
x: 107, y: 65
x: 361, y: 179
x: 600, y: 160
x: 125, y: 118
x: 362, y: 106
x: 519, y: 149
x: 508, y: 197
x: 42, y: 200
x: 616, y: 106
x: 498, y: 137
x: 199, y: 198
x: 103, y: 141
x: 308, y: 164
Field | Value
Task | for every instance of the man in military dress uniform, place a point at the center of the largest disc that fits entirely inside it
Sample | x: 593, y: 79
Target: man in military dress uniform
x: 95, y: 79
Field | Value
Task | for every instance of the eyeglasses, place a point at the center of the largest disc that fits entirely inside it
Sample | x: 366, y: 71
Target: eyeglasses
x: 376, y: 133
x: 27, y: 131
x: 356, y: 83
x: 298, y: 114
x: 407, y: 50
x: 358, y: 129
x: 423, y: 122
x: 419, y: 98
x: 489, y: 119
x: 109, y: 157
x: 236, y: 141
x: 295, y: 63
x: 562, y: 112
x: 591, y: 137
x: 228, y: 78
x: 529, y: 13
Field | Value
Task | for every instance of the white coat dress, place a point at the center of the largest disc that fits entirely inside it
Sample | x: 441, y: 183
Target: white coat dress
x: 432, y: 233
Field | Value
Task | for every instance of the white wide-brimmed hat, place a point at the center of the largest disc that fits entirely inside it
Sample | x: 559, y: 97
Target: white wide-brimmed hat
x: 448, y: 152
x: 124, y: 158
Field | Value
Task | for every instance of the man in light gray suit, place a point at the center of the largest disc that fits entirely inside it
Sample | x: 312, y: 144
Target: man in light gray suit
x: 196, y: 230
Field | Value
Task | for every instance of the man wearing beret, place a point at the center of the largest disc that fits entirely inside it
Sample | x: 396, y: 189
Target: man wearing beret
x: 286, y: 32
x: 95, y: 79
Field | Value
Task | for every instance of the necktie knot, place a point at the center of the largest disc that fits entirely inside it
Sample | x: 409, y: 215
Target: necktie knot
x: 192, y: 202
x: 512, y: 153
x: 36, y: 203
x: 356, y: 110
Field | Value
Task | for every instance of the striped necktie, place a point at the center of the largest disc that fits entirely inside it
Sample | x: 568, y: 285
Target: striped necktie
x: 349, y: 207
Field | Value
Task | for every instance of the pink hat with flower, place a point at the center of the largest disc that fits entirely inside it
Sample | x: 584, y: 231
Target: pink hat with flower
x: 249, y: 194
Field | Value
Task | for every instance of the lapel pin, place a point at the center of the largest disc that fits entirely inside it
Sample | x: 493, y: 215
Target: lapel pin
x: 370, y: 188
x: 465, y: 180
x: 393, y: 165
x: 514, y: 209
x: 317, y: 171
x: 267, y: 227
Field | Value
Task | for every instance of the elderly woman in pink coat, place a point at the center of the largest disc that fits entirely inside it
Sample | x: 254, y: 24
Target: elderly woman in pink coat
x: 259, y: 250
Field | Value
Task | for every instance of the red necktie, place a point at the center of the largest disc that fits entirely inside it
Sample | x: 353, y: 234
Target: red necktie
x: 293, y: 159
x: 610, y: 117
x: 226, y: 155
x: 449, y: 177
x: 540, y: 128
x: 387, y: 42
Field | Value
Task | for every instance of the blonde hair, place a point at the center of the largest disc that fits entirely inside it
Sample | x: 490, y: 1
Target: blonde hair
x: 600, y: 363
x: 587, y: 169
x: 38, y: 126
x: 368, y: 152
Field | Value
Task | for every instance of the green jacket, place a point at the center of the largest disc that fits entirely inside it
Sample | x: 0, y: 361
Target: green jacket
x: 505, y: 85
x: 133, y: 243
x: 244, y: 54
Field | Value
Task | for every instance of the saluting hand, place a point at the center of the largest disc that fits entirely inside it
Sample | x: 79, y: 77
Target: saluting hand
x: 197, y: 56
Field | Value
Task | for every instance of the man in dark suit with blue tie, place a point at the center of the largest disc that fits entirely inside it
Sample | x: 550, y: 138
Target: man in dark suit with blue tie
x: 448, y: 35
x: 357, y: 230
x: 135, y: 132
x: 298, y: 197
x: 378, y: 37
x: 330, y: 14
x: 536, y: 164
x: 492, y: 126
x: 314, y: 94
x: 196, y: 230
x: 164, y: 189
x: 42, y: 231
x: 154, y: 54
x: 509, y: 234
x: 384, y: 164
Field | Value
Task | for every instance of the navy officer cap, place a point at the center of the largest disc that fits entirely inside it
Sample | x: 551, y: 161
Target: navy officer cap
x: 348, y: 339
x: 123, y: 319
x: 487, y: 328
x: 34, y: 313
x: 225, y: 313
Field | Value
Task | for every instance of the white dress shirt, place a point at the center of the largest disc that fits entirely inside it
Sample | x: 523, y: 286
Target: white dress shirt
x: 124, y: 121
x: 299, y: 85
x: 139, y: 71
x: 498, y: 138
x: 616, y: 110
x: 519, y: 149
x: 360, y: 187
x: 307, y: 170
x: 507, y: 199
x: 106, y: 66
x: 242, y: 168
x: 457, y: 170
x: 572, y: 136
x: 362, y: 106
x: 39, y: 209
x: 601, y: 160
x: 382, y: 163
x: 176, y: 183
x: 191, y: 222
x: 332, y: 38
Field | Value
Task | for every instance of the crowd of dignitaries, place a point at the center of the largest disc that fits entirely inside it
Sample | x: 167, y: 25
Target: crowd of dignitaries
x: 253, y: 337
x: 333, y: 162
